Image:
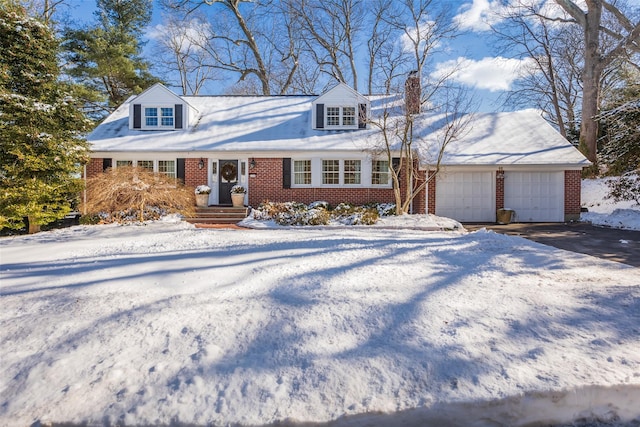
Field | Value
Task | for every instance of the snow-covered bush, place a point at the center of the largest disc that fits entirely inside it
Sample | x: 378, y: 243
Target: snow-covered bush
x: 349, y: 214
x: 626, y: 187
x: 122, y: 193
x: 203, y: 189
x: 319, y: 213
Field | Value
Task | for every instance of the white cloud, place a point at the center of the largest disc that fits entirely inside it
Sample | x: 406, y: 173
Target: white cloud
x: 423, y: 34
x: 493, y: 74
x: 479, y: 15
x: 185, y: 36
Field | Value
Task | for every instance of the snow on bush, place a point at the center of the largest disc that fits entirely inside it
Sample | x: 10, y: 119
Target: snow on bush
x: 320, y: 213
x: 203, y: 189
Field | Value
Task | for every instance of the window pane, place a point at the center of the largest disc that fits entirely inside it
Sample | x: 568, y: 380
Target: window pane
x: 151, y: 112
x: 352, y: 171
x: 167, y: 167
x: 302, y: 172
x: 145, y: 164
x: 121, y: 163
x: 167, y: 116
x: 380, y: 172
x: 331, y: 171
x: 333, y: 116
x: 349, y: 116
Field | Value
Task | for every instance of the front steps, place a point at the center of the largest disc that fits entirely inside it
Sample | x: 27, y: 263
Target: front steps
x: 218, y: 215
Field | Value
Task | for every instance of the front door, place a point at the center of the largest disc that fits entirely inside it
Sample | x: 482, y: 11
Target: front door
x: 228, y: 178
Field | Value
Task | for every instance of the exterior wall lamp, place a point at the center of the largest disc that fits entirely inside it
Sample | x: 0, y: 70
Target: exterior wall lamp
x: 201, y: 164
x: 252, y: 163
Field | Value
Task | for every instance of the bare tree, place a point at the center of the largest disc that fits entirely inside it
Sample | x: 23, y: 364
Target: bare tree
x: 552, y: 78
x: 330, y: 31
x: 245, y: 38
x: 414, y: 144
x: 596, y: 59
x: 180, y: 48
x: 387, y: 60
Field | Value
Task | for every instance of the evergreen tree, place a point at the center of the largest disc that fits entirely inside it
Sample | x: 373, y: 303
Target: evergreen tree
x: 620, y: 121
x: 106, y: 58
x: 40, y: 126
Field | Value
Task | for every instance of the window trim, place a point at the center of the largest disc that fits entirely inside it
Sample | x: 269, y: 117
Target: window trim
x: 357, y: 173
x: 295, y: 173
x: 159, y: 116
x: 341, y: 116
x: 374, y: 172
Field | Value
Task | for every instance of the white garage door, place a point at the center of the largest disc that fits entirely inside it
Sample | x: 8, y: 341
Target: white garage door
x: 466, y: 196
x: 535, y: 196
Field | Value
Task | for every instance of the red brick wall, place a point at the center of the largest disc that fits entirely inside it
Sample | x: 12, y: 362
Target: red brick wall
x: 499, y: 189
x: 572, y: 188
x: 267, y: 185
x: 194, y: 176
x: 94, y: 168
x: 432, y: 193
x: 420, y: 201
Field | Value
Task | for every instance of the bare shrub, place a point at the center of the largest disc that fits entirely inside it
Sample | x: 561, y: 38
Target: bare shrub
x: 127, y: 193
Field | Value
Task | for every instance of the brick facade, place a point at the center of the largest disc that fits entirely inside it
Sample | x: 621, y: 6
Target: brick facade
x: 572, y: 189
x: 265, y: 183
x: 94, y: 167
x: 431, y: 194
x: 193, y: 176
x: 499, y: 189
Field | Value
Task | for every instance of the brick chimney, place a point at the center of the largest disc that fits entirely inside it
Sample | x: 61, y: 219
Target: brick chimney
x: 412, y: 93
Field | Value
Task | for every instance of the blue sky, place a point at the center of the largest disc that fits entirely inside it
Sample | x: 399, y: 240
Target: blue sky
x: 484, y: 71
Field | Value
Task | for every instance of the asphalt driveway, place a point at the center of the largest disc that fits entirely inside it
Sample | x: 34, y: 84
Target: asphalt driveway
x: 607, y: 243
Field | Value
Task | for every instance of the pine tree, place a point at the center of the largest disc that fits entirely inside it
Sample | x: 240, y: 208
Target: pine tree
x: 40, y: 126
x: 106, y: 58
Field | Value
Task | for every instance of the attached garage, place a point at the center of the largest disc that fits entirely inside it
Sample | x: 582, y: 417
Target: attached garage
x: 535, y: 196
x: 466, y: 196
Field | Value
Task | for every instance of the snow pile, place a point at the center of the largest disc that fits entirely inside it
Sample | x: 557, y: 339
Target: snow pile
x: 165, y: 323
x: 606, y: 212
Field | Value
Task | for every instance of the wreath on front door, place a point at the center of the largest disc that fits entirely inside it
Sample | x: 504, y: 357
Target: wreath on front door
x: 229, y: 172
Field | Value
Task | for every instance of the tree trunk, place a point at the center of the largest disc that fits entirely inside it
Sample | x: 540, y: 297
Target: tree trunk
x: 33, y: 227
x: 591, y: 79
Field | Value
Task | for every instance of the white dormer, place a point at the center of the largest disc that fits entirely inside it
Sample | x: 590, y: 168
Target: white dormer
x: 340, y: 108
x: 158, y: 108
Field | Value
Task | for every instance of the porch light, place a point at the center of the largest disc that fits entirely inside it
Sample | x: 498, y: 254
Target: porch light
x: 252, y: 163
x: 201, y: 163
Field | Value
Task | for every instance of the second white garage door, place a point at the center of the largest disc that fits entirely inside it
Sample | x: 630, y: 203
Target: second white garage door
x: 535, y: 196
x: 466, y: 196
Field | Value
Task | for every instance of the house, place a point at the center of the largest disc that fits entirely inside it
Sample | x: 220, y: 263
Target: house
x: 309, y: 148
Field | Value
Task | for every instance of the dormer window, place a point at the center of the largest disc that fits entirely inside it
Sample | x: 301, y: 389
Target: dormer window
x: 341, y: 116
x: 158, y: 117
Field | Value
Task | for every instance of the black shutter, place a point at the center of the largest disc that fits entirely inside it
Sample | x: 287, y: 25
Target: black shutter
x: 286, y: 173
x: 362, y: 117
x: 395, y: 164
x: 178, y: 117
x: 137, y: 116
x: 319, y: 116
x: 180, y: 169
x: 106, y: 164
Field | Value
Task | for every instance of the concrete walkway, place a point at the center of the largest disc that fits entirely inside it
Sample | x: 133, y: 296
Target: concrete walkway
x: 607, y: 243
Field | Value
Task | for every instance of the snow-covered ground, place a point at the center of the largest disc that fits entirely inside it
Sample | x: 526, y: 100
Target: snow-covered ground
x: 165, y: 323
x: 605, y: 212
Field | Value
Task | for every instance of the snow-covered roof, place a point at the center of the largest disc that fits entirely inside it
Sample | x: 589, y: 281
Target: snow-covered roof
x: 521, y: 137
x: 263, y: 124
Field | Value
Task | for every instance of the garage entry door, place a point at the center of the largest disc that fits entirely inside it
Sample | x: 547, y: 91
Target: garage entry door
x: 466, y: 196
x: 535, y: 196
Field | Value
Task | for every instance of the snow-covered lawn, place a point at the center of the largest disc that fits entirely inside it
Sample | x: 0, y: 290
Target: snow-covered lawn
x: 605, y: 212
x: 166, y: 323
